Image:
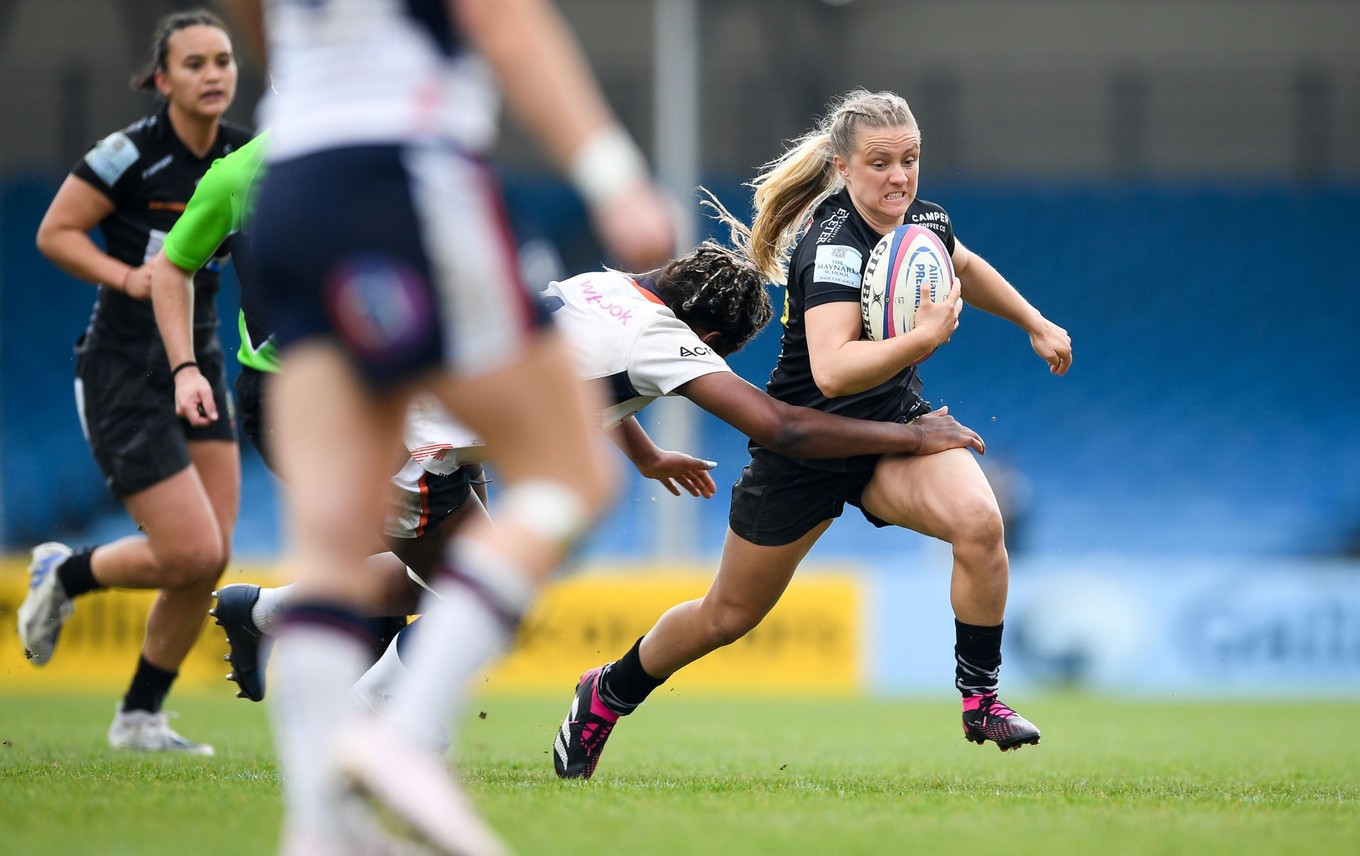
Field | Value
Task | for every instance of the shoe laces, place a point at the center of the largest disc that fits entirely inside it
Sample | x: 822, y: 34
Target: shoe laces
x: 595, y: 731
x: 994, y: 706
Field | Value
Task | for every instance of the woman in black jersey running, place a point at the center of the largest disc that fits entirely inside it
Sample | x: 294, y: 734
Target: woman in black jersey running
x: 180, y: 484
x: 856, y: 175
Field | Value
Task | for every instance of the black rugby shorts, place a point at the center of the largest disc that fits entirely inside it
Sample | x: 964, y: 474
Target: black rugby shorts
x: 252, y: 403
x: 127, y: 409
x: 778, y: 500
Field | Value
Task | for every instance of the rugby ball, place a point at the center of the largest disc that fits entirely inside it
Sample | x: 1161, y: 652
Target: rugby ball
x: 910, y: 261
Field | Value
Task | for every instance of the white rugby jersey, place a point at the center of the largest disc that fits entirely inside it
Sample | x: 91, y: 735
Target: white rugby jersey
x: 436, y: 442
x: 624, y: 335
x: 359, y: 72
x: 618, y: 332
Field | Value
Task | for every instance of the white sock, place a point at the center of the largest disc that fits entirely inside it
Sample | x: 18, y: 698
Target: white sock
x: 314, y: 667
x: 265, y: 612
x: 374, y: 687
x: 461, y: 630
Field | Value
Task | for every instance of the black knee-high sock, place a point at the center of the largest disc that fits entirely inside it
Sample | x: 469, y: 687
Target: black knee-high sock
x: 75, y: 574
x: 977, y: 658
x: 624, y: 684
x: 149, y: 687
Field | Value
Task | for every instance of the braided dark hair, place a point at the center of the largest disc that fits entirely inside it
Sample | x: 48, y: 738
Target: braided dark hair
x: 717, y: 288
x: 160, y: 42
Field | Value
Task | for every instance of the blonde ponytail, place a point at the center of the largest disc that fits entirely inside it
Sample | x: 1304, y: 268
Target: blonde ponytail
x: 788, y: 187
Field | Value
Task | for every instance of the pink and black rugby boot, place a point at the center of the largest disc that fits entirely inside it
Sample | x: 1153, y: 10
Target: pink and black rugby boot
x: 986, y: 717
x: 581, y: 739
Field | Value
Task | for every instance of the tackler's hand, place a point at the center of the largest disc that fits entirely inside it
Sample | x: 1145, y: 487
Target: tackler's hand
x: 677, y: 468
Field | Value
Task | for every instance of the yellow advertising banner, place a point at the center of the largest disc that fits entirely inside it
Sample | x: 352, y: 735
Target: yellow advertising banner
x: 101, y: 642
x: 812, y: 643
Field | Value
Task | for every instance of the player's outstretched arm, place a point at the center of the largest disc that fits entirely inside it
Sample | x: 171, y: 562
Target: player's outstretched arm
x: 673, y: 469
x: 801, y: 432
x: 985, y: 288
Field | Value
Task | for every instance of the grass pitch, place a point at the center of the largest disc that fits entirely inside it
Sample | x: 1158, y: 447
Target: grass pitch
x: 687, y: 776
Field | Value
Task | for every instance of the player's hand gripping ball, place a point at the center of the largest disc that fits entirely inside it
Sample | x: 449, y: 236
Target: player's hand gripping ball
x: 910, y: 261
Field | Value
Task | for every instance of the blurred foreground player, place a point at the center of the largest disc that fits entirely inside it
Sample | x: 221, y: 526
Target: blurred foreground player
x: 382, y: 253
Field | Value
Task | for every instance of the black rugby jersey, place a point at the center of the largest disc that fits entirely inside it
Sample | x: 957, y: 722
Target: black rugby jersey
x: 827, y: 266
x: 149, y: 175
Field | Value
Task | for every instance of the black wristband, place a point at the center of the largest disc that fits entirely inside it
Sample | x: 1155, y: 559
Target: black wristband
x: 184, y: 365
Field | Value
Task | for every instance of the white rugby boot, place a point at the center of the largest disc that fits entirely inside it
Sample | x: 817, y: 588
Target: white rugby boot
x: 144, y: 731
x: 46, y: 607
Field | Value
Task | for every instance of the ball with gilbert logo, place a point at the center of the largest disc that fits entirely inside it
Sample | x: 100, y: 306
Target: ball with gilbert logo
x: 907, y: 264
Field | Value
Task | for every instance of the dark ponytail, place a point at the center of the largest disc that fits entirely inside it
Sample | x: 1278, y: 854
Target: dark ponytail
x: 160, y: 43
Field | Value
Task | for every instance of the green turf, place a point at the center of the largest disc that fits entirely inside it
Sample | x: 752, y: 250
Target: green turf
x: 687, y: 776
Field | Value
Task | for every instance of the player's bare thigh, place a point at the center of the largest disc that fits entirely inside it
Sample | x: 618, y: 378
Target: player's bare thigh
x: 937, y: 495
x: 752, y: 578
x: 336, y: 444
x: 183, y: 536
x: 218, y: 463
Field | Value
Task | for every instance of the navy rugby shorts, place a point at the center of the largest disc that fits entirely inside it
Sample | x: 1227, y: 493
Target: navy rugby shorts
x: 401, y: 254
